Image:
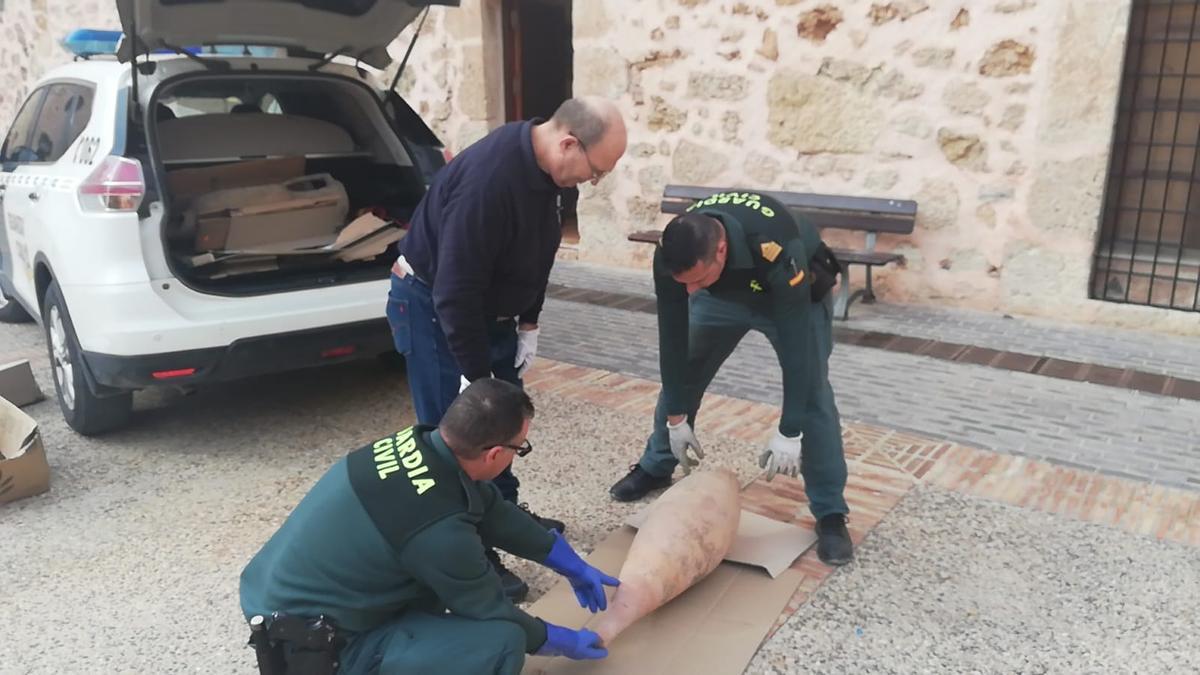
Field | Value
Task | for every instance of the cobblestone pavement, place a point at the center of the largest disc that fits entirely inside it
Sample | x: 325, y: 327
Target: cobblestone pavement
x: 1115, y: 431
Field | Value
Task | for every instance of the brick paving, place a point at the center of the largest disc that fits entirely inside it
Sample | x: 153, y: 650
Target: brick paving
x: 1113, y: 347
x: 1117, y: 431
x: 1120, y: 432
x: 885, y: 465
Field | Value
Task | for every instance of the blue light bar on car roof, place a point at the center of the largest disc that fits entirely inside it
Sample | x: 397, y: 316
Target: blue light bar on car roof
x: 87, y: 42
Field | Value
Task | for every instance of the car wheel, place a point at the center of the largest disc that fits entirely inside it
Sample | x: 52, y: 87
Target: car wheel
x: 85, y: 412
x: 11, y: 311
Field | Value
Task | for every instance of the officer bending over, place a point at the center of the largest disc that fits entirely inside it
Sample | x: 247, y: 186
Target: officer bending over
x: 389, y: 546
x: 748, y: 264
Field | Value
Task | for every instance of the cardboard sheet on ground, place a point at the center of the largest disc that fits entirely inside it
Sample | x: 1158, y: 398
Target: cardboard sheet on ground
x: 714, y: 627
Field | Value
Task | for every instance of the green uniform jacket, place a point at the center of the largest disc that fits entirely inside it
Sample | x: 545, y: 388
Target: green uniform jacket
x: 395, y: 526
x: 767, y: 270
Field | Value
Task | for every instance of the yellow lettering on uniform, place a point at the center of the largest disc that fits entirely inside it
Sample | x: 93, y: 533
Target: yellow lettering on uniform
x: 407, y: 447
x: 753, y: 205
x: 768, y: 211
x: 739, y: 199
x: 423, y: 484
x: 723, y: 198
x: 383, y: 451
x: 412, y: 460
x: 418, y: 471
x: 390, y: 467
x: 404, y: 435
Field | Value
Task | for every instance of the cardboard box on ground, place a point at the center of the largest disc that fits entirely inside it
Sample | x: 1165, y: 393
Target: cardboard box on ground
x: 247, y: 216
x: 715, y: 627
x: 24, y: 471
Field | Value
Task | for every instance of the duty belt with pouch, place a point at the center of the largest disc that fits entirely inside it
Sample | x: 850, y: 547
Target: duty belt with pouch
x: 293, y: 645
x: 825, y: 268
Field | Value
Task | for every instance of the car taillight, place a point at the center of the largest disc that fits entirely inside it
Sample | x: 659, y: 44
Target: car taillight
x: 116, y: 184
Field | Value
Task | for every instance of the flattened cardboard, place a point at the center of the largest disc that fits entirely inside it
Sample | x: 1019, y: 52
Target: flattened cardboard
x: 18, y: 385
x: 24, y: 471
x: 366, y: 236
x: 760, y: 541
x: 714, y: 627
x: 269, y: 224
x: 187, y: 183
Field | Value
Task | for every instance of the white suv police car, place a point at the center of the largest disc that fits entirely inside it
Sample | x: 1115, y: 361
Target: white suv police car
x: 99, y: 175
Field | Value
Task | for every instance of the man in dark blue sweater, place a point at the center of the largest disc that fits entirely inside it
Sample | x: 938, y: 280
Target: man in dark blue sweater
x: 471, y: 278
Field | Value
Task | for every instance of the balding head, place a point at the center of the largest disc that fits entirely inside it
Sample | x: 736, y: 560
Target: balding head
x: 582, y: 142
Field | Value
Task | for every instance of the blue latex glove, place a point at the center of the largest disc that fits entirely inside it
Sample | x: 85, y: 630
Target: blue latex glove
x: 587, y: 581
x: 573, y: 644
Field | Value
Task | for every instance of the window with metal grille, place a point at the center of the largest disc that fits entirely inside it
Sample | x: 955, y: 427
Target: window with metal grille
x: 1148, y: 252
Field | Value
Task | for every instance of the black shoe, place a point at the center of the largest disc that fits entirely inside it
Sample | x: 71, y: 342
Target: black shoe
x: 514, y: 588
x: 833, y: 540
x: 548, y: 523
x: 637, y: 484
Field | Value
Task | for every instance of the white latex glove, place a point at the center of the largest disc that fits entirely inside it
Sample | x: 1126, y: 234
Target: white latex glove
x: 682, y: 437
x: 463, y: 383
x: 526, y: 350
x: 782, y: 456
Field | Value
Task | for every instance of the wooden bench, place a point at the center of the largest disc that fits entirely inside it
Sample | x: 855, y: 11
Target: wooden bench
x: 864, y: 214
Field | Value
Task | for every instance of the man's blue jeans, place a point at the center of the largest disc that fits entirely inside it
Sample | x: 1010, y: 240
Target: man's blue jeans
x: 433, y: 374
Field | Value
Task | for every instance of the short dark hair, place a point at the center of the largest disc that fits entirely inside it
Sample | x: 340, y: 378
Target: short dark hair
x: 690, y: 239
x: 582, y: 120
x: 487, y: 413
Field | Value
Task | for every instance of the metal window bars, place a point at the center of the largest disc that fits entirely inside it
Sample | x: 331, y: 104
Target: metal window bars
x: 1148, y: 251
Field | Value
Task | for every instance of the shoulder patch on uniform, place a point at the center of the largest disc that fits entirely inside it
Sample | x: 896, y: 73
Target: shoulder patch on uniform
x: 771, y: 251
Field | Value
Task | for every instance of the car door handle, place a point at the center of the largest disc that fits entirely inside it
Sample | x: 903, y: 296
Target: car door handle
x: 33, y: 196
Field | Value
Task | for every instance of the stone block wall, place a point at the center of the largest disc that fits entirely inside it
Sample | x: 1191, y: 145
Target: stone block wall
x: 995, y: 115
x: 30, y: 32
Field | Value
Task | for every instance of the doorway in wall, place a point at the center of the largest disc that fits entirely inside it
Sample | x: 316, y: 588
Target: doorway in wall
x: 1148, y: 252
x: 539, y: 70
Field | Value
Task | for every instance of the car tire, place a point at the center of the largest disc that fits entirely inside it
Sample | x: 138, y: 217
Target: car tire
x: 85, y: 412
x: 11, y: 311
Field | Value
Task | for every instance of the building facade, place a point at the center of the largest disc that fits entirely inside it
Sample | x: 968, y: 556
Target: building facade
x: 1051, y: 145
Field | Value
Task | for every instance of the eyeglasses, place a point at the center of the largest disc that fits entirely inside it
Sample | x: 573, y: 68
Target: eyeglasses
x: 597, y: 174
x: 521, y: 450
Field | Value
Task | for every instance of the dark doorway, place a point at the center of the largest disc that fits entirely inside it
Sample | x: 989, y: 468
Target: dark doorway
x: 1148, y: 252
x: 539, y: 70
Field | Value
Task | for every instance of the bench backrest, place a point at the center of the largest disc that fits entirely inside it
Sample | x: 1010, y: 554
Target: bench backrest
x: 894, y: 216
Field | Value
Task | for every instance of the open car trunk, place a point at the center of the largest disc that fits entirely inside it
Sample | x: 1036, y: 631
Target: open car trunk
x: 276, y: 182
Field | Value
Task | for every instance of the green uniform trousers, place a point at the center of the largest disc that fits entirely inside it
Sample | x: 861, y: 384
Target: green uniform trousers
x: 715, y: 327
x: 420, y: 643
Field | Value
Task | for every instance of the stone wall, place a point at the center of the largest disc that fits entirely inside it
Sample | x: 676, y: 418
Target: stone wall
x: 30, y: 31
x: 994, y: 115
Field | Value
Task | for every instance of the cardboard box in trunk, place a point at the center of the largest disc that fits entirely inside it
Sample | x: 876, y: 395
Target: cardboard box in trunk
x: 715, y: 627
x: 185, y: 184
x: 247, y: 217
x: 24, y: 471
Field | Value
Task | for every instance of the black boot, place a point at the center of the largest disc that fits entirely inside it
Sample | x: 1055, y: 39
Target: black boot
x: 514, y: 588
x: 833, y: 540
x: 548, y: 523
x: 637, y: 484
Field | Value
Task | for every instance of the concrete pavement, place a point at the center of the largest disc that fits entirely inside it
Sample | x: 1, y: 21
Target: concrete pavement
x: 130, y: 562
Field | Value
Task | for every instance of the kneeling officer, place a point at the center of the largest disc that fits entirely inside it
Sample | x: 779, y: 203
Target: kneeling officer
x: 389, y: 547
